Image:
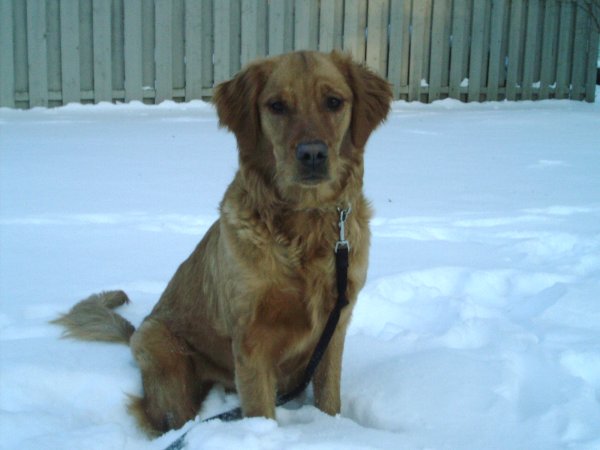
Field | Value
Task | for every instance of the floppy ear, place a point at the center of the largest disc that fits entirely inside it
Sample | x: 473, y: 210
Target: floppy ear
x: 237, y: 103
x: 372, y: 97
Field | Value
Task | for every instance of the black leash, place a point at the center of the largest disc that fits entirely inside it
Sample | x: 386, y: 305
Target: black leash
x: 342, y: 248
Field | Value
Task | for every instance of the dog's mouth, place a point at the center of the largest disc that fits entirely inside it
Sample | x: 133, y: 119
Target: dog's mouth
x: 312, y: 178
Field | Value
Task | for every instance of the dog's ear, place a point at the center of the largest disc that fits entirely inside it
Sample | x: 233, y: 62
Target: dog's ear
x: 237, y: 103
x: 372, y: 97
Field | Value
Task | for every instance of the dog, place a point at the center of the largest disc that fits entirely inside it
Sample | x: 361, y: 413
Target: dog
x: 247, y: 307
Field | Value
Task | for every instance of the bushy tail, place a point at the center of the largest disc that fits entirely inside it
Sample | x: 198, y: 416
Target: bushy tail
x: 93, y: 319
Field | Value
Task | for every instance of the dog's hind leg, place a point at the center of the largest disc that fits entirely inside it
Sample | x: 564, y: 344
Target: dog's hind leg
x: 172, y: 391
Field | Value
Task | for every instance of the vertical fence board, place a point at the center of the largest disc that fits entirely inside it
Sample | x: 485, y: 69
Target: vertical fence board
x: 439, y: 45
x: 102, y: 50
x: 549, y: 46
x: 476, y: 62
x: 579, y: 52
x: 331, y: 25
x: 531, y: 46
x: 281, y: 27
x: 86, y: 51
x: 306, y: 28
x: 208, y: 40
x: 178, y: 25
x: 355, y: 21
x: 426, y: 43
x: 446, y: 46
x: 592, y: 58
x: 69, y: 49
x: 53, y: 52
x: 496, y: 61
x: 457, y: 55
x: 164, y: 50
x: 148, y: 51
x: 193, y: 50
x: 37, y: 53
x: 7, y: 56
x: 514, y: 50
x: 417, y: 46
x: 563, y: 63
x: 377, y: 38
x: 254, y: 30
x: 133, y: 50
x: 486, y: 46
x: 227, y: 46
x: 400, y: 11
x: 21, y: 69
x: 118, y: 50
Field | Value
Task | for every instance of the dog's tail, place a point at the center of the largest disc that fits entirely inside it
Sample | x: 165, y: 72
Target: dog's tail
x: 93, y: 319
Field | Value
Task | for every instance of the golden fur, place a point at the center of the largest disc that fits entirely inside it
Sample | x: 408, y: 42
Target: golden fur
x: 249, y: 304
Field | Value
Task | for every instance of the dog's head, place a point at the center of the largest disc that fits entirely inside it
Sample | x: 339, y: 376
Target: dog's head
x: 302, y: 119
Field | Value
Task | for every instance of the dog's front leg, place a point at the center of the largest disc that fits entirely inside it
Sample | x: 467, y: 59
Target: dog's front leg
x: 255, y: 381
x: 326, y: 382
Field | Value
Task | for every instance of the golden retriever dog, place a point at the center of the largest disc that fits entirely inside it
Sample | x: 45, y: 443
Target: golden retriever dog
x: 248, y: 306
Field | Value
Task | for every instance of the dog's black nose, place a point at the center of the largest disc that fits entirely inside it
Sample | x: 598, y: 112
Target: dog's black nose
x: 312, y: 154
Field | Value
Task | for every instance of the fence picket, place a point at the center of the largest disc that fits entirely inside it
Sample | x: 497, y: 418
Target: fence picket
x: 59, y: 51
x: 102, y: 51
x: 281, y: 27
x: 178, y: 52
x: 496, y: 59
x: 531, y: 48
x: 400, y: 12
x: 549, y: 46
x: 53, y: 74
x: 439, y: 48
x: 579, y: 53
x: 514, y: 50
x: 164, y: 48
x: 377, y: 46
x: 148, y: 49
x: 591, y: 65
x: 86, y: 51
x: 563, y: 63
x: 117, y: 50
x: 306, y: 28
x: 476, y: 62
x: 37, y: 54
x: 69, y: 50
x: 355, y: 21
x: 193, y: 50
x: 417, y: 46
x: 330, y: 25
x: 457, y: 55
x: 254, y: 30
x: 227, y: 47
x: 7, y: 56
x: 208, y: 39
x: 133, y: 50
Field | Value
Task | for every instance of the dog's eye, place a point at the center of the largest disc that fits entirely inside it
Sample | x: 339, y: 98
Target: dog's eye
x: 277, y: 107
x: 333, y: 103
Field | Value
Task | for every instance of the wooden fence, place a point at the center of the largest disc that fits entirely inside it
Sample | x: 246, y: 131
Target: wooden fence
x: 54, y: 52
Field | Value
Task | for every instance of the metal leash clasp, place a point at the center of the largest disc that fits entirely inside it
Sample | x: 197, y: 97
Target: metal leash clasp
x: 342, y: 224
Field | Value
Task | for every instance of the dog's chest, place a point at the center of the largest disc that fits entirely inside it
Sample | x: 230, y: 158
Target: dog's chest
x: 306, y: 273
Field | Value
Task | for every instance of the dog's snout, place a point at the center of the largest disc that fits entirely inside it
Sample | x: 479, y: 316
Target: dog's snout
x: 312, y: 154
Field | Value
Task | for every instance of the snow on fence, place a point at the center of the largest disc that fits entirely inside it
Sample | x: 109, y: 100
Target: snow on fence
x: 54, y: 52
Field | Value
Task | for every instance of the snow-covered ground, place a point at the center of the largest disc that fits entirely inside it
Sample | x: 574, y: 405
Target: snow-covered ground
x: 479, y: 326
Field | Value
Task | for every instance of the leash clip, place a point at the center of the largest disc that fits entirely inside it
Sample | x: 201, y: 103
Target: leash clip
x: 342, y: 224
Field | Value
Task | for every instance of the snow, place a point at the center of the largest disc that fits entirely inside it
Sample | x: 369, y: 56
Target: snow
x: 478, y: 328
